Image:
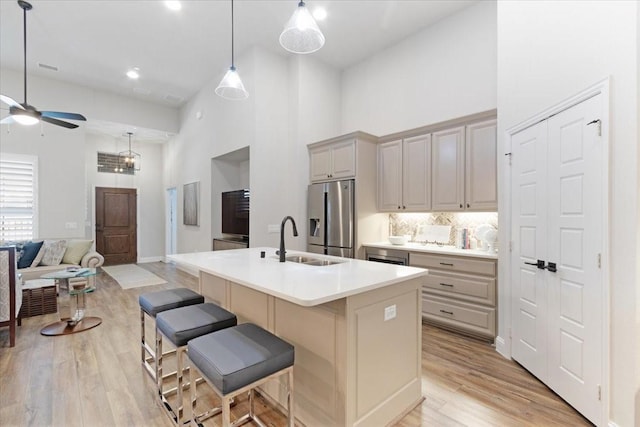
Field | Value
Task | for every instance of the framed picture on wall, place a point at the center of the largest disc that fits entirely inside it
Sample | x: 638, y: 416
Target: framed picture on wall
x: 191, y: 194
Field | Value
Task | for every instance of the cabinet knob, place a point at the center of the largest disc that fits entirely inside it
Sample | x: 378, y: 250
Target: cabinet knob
x: 398, y: 207
x: 468, y: 205
x: 461, y: 206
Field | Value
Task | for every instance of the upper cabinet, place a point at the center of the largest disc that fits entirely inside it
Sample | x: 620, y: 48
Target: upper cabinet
x: 404, y: 179
x: 447, y: 170
x: 452, y: 168
x: 481, y: 190
x: 333, y: 161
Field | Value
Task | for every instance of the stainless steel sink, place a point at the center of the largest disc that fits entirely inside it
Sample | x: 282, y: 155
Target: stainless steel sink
x: 311, y: 261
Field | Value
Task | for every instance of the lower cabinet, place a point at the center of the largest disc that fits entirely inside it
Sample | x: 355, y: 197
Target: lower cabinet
x: 224, y: 244
x: 459, y: 293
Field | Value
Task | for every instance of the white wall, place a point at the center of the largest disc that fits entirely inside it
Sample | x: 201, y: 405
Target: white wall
x: 50, y: 94
x: 151, y: 214
x: 548, y: 51
x: 61, y: 174
x: 444, y: 72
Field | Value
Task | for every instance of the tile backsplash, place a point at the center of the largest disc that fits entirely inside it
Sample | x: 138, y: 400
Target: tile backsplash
x: 408, y: 223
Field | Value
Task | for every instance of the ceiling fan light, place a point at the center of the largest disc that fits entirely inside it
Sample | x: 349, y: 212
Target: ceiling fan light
x: 25, y: 119
x: 231, y: 86
x: 301, y: 33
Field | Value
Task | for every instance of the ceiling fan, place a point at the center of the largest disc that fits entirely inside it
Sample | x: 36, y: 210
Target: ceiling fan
x: 28, y: 114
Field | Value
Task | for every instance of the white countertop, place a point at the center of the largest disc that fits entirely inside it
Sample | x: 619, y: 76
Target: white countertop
x: 301, y: 284
x: 435, y: 249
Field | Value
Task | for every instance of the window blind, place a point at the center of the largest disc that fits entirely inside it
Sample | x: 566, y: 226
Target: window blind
x: 18, y: 197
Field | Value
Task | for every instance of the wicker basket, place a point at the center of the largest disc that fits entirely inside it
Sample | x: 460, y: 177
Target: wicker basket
x: 39, y: 300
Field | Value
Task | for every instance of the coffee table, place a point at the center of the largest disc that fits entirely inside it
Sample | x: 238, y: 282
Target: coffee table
x: 72, y: 303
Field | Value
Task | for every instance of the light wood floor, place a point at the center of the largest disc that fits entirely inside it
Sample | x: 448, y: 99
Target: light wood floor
x: 94, y: 378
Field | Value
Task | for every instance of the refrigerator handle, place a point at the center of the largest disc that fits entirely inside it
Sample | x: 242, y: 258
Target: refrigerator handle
x: 314, y: 227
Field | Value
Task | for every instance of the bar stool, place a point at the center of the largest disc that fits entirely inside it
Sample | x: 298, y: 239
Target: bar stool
x: 179, y: 326
x: 236, y: 360
x: 151, y: 304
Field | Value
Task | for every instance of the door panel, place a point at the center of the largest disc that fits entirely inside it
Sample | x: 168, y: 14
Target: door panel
x: 575, y: 241
x: 116, y: 228
x: 340, y: 214
x: 447, y: 162
x: 529, y: 151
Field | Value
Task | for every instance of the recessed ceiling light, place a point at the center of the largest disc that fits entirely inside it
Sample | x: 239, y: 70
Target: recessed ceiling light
x: 320, y: 13
x: 133, y: 73
x: 173, y: 5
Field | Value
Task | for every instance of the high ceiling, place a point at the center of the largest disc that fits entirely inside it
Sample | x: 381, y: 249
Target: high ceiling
x: 94, y: 42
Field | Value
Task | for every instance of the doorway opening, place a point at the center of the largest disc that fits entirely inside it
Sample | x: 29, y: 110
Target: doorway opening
x: 172, y: 212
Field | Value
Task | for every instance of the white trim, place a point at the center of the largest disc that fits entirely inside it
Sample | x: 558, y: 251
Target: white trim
x: 601, y: 87
x: 503, y: 347
x: 150, y: 259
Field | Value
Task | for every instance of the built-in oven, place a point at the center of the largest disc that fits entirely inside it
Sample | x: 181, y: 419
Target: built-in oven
x: 389, y: 256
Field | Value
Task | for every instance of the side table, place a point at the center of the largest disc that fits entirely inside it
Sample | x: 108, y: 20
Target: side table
x: 72, y: 303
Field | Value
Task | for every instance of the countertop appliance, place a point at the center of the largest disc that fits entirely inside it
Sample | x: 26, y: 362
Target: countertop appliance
x: 389, y: 256
x: 330, y: 210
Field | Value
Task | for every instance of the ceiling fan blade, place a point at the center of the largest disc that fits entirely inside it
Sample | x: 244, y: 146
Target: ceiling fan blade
x: 7, y: 121
x: 10, y: 102
x: 61, y: 115
x: 59, y: 122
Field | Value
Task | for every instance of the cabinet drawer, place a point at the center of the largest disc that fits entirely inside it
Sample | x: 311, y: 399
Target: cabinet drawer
x: 471, y: 318
x: 476, y: 289
x: 449, y: 263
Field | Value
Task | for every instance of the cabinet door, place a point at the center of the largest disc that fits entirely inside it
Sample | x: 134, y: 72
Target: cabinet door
x: 416, y: 174
x: 343, y: 160
x: 481, y: 168
x: 320, y: 163
x: 390, y: 176
x: 447, y: 185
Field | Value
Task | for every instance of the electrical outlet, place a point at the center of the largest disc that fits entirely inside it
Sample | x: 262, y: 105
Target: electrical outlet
x: 390, y: 312
x: 273, y: 228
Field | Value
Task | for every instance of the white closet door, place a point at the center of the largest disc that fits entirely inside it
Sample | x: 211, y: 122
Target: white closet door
x: 557, y: 218
x: 529, y: 233
x: 574, y: 244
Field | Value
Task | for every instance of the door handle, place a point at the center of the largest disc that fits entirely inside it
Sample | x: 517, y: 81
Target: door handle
x: 552, y: 267
x: 540, y: 264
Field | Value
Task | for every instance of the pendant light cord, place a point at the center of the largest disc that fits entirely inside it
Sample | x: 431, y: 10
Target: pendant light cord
x: 233, y: 65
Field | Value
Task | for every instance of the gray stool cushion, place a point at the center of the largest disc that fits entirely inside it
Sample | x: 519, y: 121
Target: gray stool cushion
x: 155, y: 302
x: 235, y: 357
x: 185, y: 323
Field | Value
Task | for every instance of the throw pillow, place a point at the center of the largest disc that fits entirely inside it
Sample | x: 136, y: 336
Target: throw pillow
x: 76, y: 250
x: 53, y: 252
x: 29, y: 253
x: 38, y: 258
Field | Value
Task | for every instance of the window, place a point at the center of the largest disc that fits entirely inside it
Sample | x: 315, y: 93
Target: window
x: 18, y: 197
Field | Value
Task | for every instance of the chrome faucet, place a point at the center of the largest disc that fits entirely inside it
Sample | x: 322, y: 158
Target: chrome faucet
x: 295, y: 233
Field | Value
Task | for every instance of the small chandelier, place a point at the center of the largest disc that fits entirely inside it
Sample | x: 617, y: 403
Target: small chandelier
x: 129, y: 160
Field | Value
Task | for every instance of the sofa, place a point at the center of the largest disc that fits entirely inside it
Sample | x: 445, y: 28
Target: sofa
x: 42, y: 256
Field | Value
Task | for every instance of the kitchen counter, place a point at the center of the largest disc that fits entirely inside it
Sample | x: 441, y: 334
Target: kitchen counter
x: 305, y: 285
x: 342, y: 319
x: 435, y: 249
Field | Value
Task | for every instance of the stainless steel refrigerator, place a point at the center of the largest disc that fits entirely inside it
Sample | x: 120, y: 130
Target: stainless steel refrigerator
x: 330, y: 211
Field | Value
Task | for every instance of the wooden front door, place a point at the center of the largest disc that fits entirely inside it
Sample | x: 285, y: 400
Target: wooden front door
x: 116, y: 227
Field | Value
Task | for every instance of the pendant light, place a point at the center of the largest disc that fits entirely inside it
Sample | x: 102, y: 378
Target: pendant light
x: 130, y: 159
x: 231, y: 86
x: 301, y: 33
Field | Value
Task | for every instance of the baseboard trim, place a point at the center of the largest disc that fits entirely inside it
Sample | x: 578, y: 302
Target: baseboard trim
x: 502, y: 347
x: 150, y: 259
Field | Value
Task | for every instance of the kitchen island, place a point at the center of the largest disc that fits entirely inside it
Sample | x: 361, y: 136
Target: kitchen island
x: 355, y: 325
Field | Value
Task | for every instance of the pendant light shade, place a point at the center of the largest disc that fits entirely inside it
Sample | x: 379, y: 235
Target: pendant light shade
x: 231, y: 86
x: 301, y: 33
